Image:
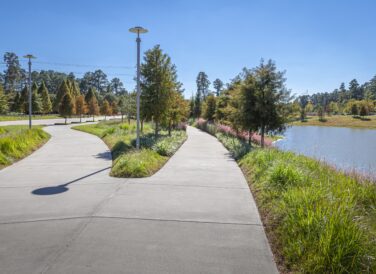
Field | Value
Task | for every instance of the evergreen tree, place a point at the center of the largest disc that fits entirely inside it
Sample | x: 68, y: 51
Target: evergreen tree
x: 218, y: 85
x: 80, y: 106
x: 203, y: 84
x: 130, y: 107
x: 158, y: 82
x: 197, y: 105
x: 66, y: 107
x: 36, y: 102
x: 210, y: 108
x: 3, y: 101
x: 177, y: 111
x: 90, y: 94
x: 105, y: 109
x: 63, y: 89
x: 16, y: 106
x: 354, y: 109
x: 45, y: 98
x: 93, y: 108
x: 270, y: 97
x: 356, y: 92
x: 24, y: 100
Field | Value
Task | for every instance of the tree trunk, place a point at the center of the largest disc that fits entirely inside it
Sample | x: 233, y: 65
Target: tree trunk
x: 93, y: 118
x: 262, y: 135
x: 122, y: 118
x: 156, y: 129
x: 142, y: 126
x: 105, y: 117
x: 249, y: 137
x: 65, y: 120
x: 169, y: 128
x: 80, y: 118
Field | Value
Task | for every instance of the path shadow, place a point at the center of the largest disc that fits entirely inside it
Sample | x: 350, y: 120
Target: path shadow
x: 104, y: 155
x: 52, y: 190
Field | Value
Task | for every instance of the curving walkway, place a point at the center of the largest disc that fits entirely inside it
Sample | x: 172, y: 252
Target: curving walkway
x: 60, y: 212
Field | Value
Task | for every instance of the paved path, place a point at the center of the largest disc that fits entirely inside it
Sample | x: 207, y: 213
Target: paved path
x: 60, y: 212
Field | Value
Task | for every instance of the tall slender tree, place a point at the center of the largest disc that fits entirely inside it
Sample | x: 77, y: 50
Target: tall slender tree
x: 3, y: 101
x: 203, y: 84
x: 80, y: 106
x: 66, y: 107
x: 46, y: 105
x: 158, y: 82
x: 218, y: 86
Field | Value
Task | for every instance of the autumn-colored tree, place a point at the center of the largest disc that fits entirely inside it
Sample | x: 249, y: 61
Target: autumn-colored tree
x: 105, y: 109
x: 114, y: 108
x: 46, y: 105
x: 80, y: 106
x: 93, y: 108
x: 66, y: 107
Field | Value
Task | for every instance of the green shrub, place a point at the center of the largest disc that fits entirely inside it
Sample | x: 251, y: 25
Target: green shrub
x: 137, y: 164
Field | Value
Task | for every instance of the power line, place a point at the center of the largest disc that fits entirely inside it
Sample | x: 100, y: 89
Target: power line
x: 77, y: 65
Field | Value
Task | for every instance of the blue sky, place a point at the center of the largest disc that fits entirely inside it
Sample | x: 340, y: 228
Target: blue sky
x: 318, y: 43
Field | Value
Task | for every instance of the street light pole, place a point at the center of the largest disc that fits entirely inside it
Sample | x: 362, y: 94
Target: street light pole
x: 30, y: 56
x: 138, y: 30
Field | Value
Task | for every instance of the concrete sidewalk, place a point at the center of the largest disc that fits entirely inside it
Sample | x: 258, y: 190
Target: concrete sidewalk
x: 60, y: 212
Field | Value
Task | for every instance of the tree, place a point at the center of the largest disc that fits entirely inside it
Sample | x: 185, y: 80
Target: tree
x: 363, y: 111
x: 114, y: 108
x: 63, y: 89
x: 210, y: 108
x: 36, y: 101
x: 66, y: 107
x: 14, y: 75
x: 93, y: 108
x: 129, y: 108
x: 356, y: 92
x: 24, y: 100
x: 158, y: 82
x: 117, y: 86
x: 177, y: 110
x: 3, y: 101
x: 267, y: 99
x: 105, y: 109
x: 218, y: 85
x: 321, y: 113
x: 90, y: 94
x: 354, y: 109
x: 80, y: 106
x: 203, y: 84
x: 197, y: 105
x: 333, y: 108
x: 100, y: 80
x: 46, y: 105
x: 309, y: 107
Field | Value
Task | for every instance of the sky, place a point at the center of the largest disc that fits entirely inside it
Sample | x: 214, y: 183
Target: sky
x: 318, y: 43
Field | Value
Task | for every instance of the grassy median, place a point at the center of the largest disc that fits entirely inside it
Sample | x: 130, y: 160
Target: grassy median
x: 318, y: 220
x: 121, y: 139
x: 17, y: 142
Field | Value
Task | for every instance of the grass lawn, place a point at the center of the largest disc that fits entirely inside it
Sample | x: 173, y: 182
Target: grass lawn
x: 17, y: 142
x: 339, y: 121
x: 318, y: 220
x: 127, y: 161
x: 26, y: 117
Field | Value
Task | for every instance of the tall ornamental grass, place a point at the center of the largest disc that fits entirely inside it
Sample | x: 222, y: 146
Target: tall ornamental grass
x: 16, y: 142
x: 318, y: 219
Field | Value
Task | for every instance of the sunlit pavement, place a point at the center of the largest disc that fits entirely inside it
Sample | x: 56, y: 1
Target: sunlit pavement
x: 60, y: 212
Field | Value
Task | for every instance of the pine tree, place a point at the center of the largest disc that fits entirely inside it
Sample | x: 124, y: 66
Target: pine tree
x: 90, y: 94
x: 158, y: 82
x: 203, y: 84
x: 24, y: 100
x: 210, y: 108
x: 218, y: 85
x: 3, y: 101
x: 16, y: 107
x: 36, y: 101
x: 105, y: 109
x: 80, y: 106
x: 45, y: 97
x: 66, y: 107
x: 93, y: 108
x: 62, y: 90
x: 197, y: 105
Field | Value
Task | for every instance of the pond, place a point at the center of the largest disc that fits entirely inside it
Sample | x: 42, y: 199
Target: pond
x: 346, y: 148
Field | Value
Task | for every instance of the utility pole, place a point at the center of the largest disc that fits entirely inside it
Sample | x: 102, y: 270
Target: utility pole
x: 138, y: 31
x: 30, y: 56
